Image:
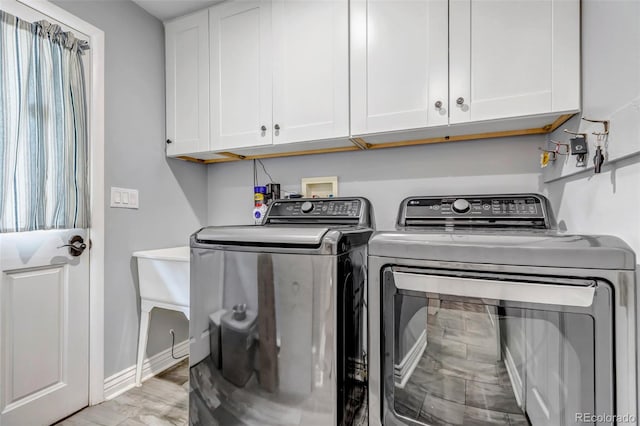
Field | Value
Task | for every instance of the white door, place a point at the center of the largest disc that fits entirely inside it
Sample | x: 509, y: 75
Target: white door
x: 44, y: 327
x: 513, y: 58
x: 241, y: 74
x: 187, y: 63
x: 44, y: 310
x: 311, y: 70
x: 399, y: 64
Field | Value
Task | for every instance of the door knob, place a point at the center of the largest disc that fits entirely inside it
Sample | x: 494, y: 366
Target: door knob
x: 460, y: 101
x: 76, y: 246
x: 438, y: 104
x: 169, y: 141
x: 277, y: 127
x: 263, y: 128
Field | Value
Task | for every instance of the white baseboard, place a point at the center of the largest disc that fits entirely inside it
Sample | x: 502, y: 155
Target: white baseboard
x: 126, y: 379
x: 403, y: 371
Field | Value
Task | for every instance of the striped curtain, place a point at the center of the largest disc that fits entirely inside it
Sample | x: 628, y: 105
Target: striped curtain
x: 44, y: 180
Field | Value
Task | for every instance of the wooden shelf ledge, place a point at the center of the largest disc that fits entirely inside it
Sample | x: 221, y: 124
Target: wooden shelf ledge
x: 359, y: 144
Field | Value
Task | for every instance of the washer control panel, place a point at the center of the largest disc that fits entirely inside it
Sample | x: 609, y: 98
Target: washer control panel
x: 316, y: 207
x: 489, y: 210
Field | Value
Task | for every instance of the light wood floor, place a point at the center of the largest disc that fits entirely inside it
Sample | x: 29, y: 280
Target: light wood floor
x: 461, y: 378
x: 161, y: 401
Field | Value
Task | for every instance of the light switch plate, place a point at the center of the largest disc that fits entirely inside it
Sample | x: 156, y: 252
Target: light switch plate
x: 124, y: 198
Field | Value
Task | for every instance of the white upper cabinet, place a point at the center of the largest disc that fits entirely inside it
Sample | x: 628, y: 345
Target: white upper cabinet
x: 310, y: 70
x: 513, y: 58
x: 187, y: 82
x: 250, y: 77
x: 424, y: 63
x: 279, y: 72
x: 241, y: 83
x: 399, y: 64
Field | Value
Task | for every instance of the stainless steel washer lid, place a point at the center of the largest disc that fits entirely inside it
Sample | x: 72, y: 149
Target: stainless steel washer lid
x: 296, y: 236
x: 523, y: 249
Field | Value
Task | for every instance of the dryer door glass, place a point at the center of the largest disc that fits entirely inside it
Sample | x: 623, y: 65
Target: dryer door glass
x: 530, y: 357
x: 277, y: 339
x: 263, y: 338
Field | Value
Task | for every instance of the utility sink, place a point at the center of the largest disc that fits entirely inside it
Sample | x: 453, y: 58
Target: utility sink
x: 164, y: 275
x: 164, y: 283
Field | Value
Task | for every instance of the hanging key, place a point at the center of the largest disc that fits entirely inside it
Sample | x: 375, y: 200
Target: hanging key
x: 598, y: 160
x: 580, y: 149
x: 545, y: 158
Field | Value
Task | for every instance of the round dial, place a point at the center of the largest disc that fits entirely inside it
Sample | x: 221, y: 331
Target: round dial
x: 306, y: 207
x: 461, y: 205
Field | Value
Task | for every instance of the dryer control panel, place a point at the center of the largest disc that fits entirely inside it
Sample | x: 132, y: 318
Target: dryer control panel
x: 316, y: 207
x: 346, y: 211
x: 522, y: 210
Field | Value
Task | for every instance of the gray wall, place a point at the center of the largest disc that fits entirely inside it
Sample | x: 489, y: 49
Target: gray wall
x: 386, y: 176
x: 607, y: 203
x: 172, y: 193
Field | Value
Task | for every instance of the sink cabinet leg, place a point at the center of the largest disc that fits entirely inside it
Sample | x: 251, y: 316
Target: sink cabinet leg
x: 142, y: 342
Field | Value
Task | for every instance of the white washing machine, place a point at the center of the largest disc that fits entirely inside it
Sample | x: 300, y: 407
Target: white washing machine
x: 488, y: 315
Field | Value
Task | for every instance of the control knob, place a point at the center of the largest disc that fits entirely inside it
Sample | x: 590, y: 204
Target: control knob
x: 306, y: 207
x: 461, y: 205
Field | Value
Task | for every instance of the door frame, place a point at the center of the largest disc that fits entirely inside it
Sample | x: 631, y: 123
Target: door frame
x: 96, y: 163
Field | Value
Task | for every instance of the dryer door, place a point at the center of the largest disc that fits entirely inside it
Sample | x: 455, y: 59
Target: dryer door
x: 465, y: 349
x: 263, y: 338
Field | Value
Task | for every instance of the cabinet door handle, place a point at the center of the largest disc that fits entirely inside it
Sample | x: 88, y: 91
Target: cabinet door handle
x: 169, y: 141
x: 438, y: 104
x: 263, y: 128
x: 460, y: 101
x: 277, y: 127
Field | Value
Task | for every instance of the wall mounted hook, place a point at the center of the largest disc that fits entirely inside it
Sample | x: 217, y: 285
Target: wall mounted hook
x: 560, y: 147
x: 600, y: 136
x: 553, y: 156
x: 580, y: 135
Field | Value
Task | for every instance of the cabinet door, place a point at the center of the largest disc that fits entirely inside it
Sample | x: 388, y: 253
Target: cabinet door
x: 524, y: 58
x: 311, y: 70
x: 241, y: 74
x: 399, y: 64
x: 187, y: 63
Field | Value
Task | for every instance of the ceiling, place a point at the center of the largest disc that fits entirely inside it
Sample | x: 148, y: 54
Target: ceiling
x: 168, y: 9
